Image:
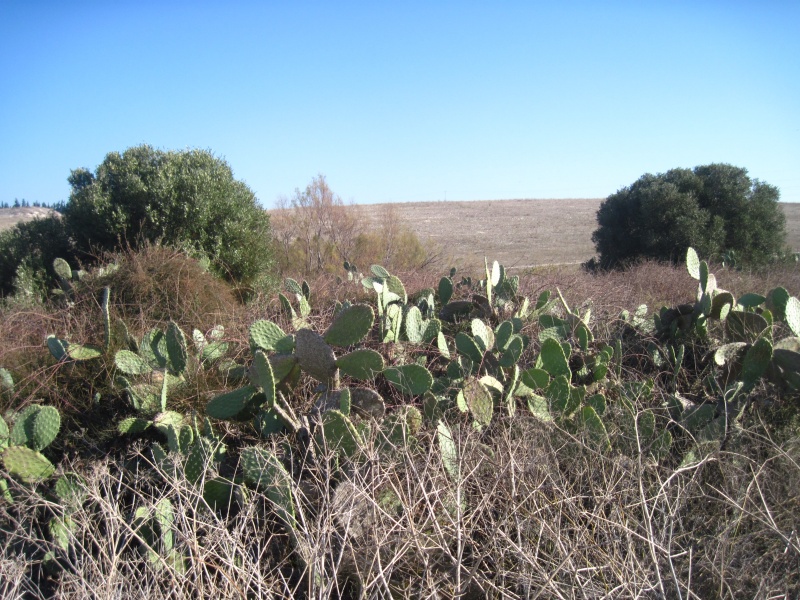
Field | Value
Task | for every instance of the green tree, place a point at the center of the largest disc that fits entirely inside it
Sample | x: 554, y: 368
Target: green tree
x: 187, y: 199
x: 714, y: 208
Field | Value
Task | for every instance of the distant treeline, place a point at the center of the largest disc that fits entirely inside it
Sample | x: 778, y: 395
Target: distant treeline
x: 57, y: 206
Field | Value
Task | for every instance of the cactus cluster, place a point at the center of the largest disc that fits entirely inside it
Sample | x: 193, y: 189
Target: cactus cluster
x: 157, y: 363
x: 34, y: 428
x: 280, y: 358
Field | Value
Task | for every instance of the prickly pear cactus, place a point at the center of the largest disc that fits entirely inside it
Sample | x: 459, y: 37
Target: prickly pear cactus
x: 262, y: 469
x: 337, y: 432
x: 44, y: 428
x: 27, y: 465
x: 176, y: 348
x: 412, y: 379
x: 367, y: 403
x: 362, y: 364
x: 36, y: 427
x: 131, y: 363
x: 315, y: 356
x: 230, y: 404
x: 265, y: 335
x: 4, y: 434
x: 350, y: 326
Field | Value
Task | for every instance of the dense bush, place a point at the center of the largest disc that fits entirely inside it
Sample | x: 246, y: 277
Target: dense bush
x: 27, y: 252
x: 717, y: 209
x: 188, y: 199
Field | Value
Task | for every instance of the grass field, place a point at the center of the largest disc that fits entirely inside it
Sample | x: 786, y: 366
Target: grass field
x: 519, y: 233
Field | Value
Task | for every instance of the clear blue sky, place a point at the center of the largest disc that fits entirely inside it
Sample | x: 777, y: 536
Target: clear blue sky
x: 403, y: 101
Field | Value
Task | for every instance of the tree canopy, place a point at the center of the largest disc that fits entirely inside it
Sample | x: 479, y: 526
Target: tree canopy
x: 188, y: 199
x: 717, y: 209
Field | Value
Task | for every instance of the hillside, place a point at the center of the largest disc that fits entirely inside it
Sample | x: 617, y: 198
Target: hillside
x: 11, y: 216
x: 518, y: 233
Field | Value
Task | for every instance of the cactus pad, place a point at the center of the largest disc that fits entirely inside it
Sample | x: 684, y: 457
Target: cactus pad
x: 218, y: 493
x: 4, y: 434
x: 513, y: 351
x: 793, y: 315
x: 83, y: 351
x: 154, y: 348
x: 57, y: 347
x: 44, y: 427
x: 262, y: 469
x: 22, y: 431
x: 261, y: 376
x: 133, y: 425
x: 176, y: 348
x: 367, y: 402
x: 265, y: 335
x: 412, y: 380
x: 267, y: 422
x: 480, y: 402
x: 6, y: 382
x: 594, y: 427
x: 27, y: 465
x: 62, y: 269
x: 414, y: 325
x: 361, y: 364
x: 131, y: 363
x: 535, y: 379
x: 467, y: 346
x: 199, y: 456
x: 293, y: 287
x: 338, y: 432
x: 314, y: 355
x: 445, y: 290
x: 71, y: 490
x: 282, y: 366
x: 448, y: 451
x: 482, y: 334
x: 745, y: 326
x: 453, y: 311
x: 776, y: 301
x: 552, y: 359
x: 226, y: 406
x: 693, y: 263
x: 350, y: 326
x: 756, y: 362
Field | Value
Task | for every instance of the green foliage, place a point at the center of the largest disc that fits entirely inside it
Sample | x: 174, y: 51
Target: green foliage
x: 186, y: 199
x: 715, y: 208
x: 27, y: 252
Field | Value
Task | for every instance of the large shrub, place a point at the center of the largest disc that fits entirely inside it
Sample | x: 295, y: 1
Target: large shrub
x: 187, y: 199
x: 717, y: 209
x: 27, y: 252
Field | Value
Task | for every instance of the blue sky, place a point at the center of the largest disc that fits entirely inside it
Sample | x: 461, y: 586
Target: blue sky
x: 407, y: 101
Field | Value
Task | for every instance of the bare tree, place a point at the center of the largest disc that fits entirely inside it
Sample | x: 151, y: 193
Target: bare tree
x: 315, y: 227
